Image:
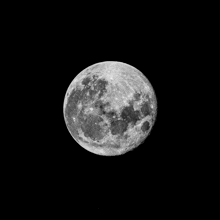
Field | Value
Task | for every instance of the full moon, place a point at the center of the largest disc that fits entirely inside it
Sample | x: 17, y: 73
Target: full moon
x: 110, y: 108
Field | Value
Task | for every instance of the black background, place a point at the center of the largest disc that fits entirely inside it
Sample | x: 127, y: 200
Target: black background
x: 159, y: 159
x: 56, y: 164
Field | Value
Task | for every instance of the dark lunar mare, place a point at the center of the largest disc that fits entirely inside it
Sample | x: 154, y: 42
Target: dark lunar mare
x: 131, y: 116
x: 145, y: 126
x: 90, y: 124
x: 119, y: 124
x: 78, y: 95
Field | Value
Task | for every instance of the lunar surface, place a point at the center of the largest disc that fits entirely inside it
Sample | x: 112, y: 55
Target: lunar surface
x: 110, y: 108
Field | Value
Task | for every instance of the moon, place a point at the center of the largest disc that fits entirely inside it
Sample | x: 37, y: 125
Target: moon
x: 125, y: 87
